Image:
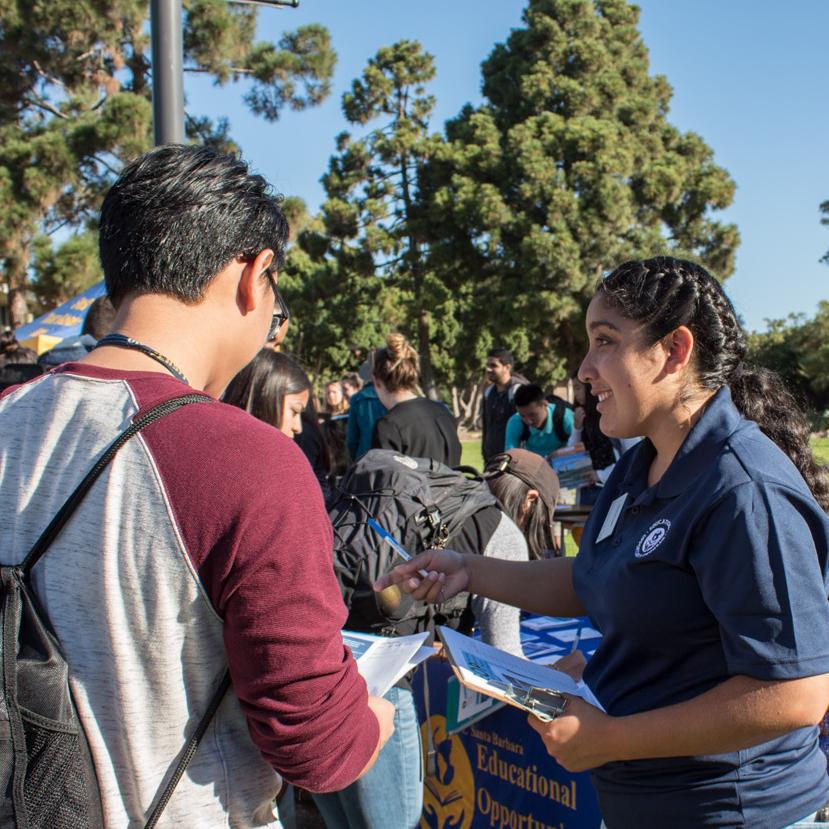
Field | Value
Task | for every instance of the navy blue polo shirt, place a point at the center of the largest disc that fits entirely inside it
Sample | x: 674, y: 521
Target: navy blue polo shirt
x: 717, y: 570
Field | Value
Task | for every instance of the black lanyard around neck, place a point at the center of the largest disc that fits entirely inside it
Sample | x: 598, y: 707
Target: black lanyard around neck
x: 123, y: 341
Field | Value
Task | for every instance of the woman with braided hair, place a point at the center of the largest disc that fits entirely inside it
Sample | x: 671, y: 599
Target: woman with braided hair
x: 704, y: 565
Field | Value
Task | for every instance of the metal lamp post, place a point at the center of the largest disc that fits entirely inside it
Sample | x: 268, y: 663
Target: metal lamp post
x: 168, y: 66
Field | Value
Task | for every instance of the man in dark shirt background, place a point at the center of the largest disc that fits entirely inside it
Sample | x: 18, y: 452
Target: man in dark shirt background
x: 498, y: 406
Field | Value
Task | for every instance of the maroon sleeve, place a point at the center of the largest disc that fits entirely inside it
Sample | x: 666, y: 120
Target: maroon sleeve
x: 252, y: 518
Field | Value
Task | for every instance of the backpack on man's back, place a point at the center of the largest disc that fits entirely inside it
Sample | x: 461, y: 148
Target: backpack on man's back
x: 47, y: 777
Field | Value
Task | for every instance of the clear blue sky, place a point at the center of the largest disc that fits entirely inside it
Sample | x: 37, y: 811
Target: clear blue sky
x: 750, y: 76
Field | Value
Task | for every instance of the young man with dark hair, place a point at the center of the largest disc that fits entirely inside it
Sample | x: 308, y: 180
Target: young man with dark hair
x: 539, y: 424
x: 497, y: 405
x: 205, y: 544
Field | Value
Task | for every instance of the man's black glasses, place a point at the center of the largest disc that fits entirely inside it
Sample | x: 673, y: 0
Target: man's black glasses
x: 281, y: 314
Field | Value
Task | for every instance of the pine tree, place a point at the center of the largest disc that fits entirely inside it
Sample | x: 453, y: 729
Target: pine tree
x: 75, y: 104
x: 373, y: 251
x: 568, y: 168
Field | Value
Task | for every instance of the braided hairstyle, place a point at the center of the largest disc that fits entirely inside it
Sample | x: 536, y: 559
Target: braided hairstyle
x: 663, y: 293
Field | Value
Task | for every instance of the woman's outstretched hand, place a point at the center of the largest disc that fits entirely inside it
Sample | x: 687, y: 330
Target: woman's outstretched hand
x: 446, y: 572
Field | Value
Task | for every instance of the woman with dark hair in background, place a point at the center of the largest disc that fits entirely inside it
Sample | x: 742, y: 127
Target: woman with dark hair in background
x: 274, y: 388
x: 703, y: 564
x: 413, y: 425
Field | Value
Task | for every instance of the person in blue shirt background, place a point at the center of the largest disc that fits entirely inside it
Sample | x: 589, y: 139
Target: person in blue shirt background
x: 703, y: 564
x: 365, y: 409
x: 538, y: 425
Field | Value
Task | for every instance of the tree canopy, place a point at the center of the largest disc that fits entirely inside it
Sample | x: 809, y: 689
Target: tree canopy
x: 569, y: 167
x: 493, y: 231
x: 496, y: 232
x: 75, y: 104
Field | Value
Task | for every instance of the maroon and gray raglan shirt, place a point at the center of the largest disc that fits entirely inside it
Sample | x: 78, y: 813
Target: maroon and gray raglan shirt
x: 204, y: 544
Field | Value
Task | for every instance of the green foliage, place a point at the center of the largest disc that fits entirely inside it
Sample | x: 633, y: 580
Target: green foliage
x: 568, y: 168
x: 820, y: 449
x: 66, y: 270
x: 797, y: 348
x: 75, y: 105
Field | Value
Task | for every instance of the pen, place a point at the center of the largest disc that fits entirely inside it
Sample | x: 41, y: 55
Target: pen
x: 576, y: 640
x: 393, y: 543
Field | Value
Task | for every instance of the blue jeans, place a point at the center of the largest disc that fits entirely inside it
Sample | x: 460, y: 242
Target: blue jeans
x: 390, y: 795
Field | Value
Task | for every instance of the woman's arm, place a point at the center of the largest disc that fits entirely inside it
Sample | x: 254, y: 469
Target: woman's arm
x: 544, y: 587
x: 738, y: 713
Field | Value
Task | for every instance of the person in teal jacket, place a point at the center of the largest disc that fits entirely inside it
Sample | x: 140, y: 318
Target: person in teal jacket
x: 364, y: 411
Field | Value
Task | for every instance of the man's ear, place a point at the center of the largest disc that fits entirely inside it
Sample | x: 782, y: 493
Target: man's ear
x: 679, y: 345
x: 252, y: 283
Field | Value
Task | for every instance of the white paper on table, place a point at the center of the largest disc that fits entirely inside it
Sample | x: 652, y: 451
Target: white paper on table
x: 382, y: 661
x: 483, y: 667
x: 545, y: 623
x: 570, y: 635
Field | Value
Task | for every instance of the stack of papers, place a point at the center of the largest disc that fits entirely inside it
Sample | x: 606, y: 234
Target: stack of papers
x: 383, y: 661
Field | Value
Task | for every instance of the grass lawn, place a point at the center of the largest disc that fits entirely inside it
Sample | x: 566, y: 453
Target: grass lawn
x: 471, y: 453
x: 820, y: 446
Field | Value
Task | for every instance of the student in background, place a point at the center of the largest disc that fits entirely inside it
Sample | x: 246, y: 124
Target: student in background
x: 497, y: 403
x: 351, y: 384
x: 414, y: 425
x: 335, y: 400
x: 334, y: 423
x: 275, y: 389
x: 365, y: 409
x: 538, y: 425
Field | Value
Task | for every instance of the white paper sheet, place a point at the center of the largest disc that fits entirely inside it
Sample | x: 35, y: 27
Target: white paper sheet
x: 382, y: 660
x: 570, y: 635
x: 545, y: 623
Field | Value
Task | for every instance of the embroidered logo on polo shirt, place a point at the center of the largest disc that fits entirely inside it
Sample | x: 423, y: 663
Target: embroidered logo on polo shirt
x: 653, y: 537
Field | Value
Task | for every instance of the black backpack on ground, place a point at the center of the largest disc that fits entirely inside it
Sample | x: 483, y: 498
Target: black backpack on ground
x: 47, y: 778
x: 558, y: 419
x: 423, y: 504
